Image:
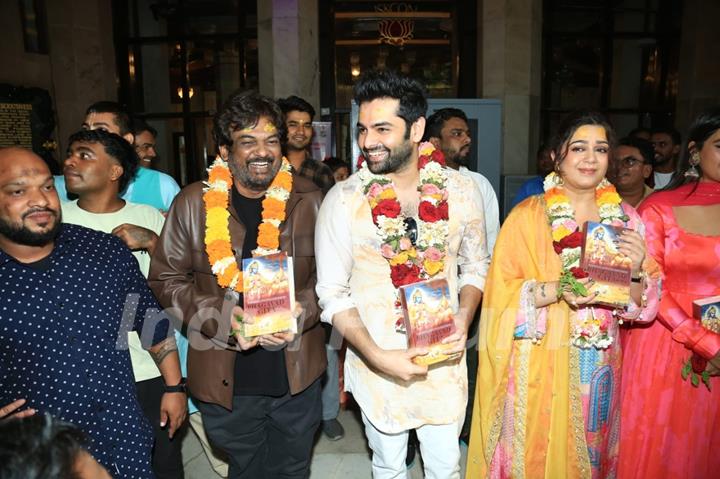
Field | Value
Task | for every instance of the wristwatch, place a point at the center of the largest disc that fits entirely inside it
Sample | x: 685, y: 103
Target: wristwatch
x: 178, y: 388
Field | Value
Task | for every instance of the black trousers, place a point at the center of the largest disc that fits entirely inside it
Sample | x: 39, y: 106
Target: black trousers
x: 166, y: 457
x: 266, y: 437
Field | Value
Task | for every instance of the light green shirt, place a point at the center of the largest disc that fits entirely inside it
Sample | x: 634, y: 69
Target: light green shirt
x: 136, y: 214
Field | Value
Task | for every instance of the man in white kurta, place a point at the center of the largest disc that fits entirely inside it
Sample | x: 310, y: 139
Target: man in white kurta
x: 357, y: 295
x: 448, y: 130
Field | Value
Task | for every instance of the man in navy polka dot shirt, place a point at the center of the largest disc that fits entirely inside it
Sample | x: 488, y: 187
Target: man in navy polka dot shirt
x: 68, y: 297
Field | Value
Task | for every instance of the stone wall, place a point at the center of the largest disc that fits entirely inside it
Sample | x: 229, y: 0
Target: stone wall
x: 80, y: 66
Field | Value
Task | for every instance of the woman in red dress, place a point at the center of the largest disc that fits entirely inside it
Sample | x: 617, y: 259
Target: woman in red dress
x: 670, y: 426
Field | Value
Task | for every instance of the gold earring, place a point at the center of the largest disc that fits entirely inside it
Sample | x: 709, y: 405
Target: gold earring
x: 692, y: 172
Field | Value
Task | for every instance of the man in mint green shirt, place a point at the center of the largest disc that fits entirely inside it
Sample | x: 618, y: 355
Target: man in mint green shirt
x: 99, y: 164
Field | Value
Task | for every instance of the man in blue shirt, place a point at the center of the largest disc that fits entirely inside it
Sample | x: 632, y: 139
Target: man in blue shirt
x: 68, y: 297
x: 534, y: 186
x: 149, y: 187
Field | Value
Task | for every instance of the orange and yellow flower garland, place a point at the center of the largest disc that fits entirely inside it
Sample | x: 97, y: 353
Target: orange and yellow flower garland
x: 218, y: 244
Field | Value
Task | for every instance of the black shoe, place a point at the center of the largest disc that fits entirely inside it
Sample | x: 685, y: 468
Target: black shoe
x: 333, y: 429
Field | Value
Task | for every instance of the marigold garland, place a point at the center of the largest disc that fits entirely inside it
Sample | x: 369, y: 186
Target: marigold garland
x: 426, y: 258
x: 567, y: 240
x: 216, y: 196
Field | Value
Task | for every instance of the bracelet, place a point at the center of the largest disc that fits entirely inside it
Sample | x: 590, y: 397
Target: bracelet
x: 639, y: 278
x: 178, y: 388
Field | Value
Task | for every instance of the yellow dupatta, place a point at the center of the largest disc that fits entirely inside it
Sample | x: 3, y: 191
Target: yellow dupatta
x: 549, y: 439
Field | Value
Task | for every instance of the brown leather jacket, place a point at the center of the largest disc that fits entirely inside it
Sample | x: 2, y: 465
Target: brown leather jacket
x: 181, y: 278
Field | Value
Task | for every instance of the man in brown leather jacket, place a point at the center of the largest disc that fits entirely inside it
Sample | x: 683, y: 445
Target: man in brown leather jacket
x: 259, y: 397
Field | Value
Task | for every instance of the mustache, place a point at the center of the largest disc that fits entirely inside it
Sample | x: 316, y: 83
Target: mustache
x: 39, y: 210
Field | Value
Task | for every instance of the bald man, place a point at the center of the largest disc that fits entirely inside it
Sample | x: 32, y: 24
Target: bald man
x: 61, y: 351
x: 29, y: 206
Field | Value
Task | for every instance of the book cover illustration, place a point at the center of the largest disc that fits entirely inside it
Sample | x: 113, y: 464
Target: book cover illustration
x: 268, y: 295
x: 610, y: 269
x: 428, y: 319
x: 707, y: 310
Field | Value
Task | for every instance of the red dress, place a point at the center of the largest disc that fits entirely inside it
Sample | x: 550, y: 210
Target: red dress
x: 670, y: 428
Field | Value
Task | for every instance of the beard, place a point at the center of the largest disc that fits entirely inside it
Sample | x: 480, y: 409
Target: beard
x: 396, y: 159
x: 242, y: 173
x: 23, y: 235
x: 459, y: 157
x: 662, y: 160
x: 298, y: 145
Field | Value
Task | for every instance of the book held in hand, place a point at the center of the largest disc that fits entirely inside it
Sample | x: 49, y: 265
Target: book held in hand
x: 429, y: 319
x: 707, y: 310
x: 268, y: 295
x: 610, y: 269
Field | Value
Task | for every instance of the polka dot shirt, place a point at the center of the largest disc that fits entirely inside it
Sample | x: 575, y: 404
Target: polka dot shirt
x: 63, y: 343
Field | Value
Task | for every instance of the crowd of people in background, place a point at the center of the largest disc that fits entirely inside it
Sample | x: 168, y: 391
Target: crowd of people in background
x: 121, y: 298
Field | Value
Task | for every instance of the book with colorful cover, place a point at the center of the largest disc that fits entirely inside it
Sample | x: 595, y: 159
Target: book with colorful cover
x: 428, y: 319
x: 601, y: 260
x: 268, y: 295
x: 707, y: 311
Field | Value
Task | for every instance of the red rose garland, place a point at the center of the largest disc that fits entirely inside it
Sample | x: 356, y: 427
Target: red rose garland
x: 410, y: 263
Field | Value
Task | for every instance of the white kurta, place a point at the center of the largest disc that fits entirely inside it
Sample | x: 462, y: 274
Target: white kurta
x: 353, y: 274
x: 490, y: 203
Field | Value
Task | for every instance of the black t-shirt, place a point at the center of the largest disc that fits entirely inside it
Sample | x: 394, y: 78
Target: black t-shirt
x: 257, y: 371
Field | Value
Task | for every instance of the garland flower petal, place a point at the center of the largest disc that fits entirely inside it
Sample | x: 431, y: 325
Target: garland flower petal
x: 588, y: 332
x: 218, y: 243
x: 425, y: 259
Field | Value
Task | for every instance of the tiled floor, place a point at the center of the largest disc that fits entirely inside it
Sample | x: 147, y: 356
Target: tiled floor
x: 348, y: 458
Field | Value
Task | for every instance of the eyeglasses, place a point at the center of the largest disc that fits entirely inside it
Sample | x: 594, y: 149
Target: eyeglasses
x: 411, y: 229
x: 629, y: 162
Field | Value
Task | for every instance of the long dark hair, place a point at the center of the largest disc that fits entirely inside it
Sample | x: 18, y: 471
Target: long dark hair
x: 570, y: 125
x: 702, y: 128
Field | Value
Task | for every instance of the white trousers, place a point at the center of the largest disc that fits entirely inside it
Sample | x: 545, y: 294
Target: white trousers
x: 439, y: 447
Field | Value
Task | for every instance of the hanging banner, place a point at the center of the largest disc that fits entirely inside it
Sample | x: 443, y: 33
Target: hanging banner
x: 322, y: 140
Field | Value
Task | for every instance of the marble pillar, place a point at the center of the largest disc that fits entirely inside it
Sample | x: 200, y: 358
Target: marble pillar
x: 82, y: 58
x: 288, y: 49
x: 699, y: 61
x: 511, y: 72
